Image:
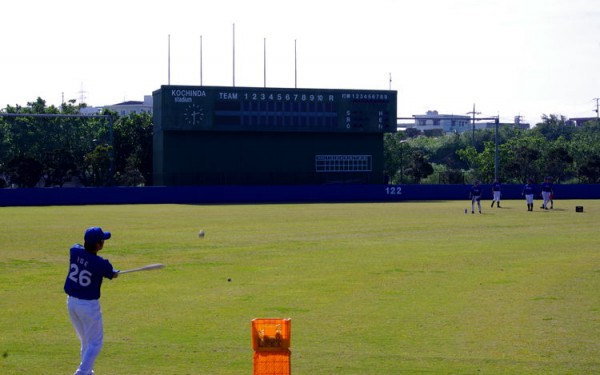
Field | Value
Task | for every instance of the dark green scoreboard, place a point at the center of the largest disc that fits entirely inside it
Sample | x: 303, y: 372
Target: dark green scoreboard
x: 208, y: 135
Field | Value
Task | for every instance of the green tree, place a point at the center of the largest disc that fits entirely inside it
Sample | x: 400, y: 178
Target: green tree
x: 393, y: 156
x: 524, y: 162
x: 418, y: 166
x: 131, y: 175
x: 133, y: 147
x: 97, y: 166
x: 557, y: 161
x: 24, y: 171
x: 585, y: 150
x: 59, y: 167
x: 470, y: 156
x: 554, y: 127
x: 5, y: 143
x: 43, y: 137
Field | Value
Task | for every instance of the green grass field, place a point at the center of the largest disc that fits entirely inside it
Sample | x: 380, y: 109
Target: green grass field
x: 378, y: 288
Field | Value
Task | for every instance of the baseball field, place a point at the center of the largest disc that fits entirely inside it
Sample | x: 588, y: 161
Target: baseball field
x: 371, y: 288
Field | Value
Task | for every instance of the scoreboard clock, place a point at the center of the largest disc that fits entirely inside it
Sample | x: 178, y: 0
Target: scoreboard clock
x: 193, y: 115
x: 215, y: 108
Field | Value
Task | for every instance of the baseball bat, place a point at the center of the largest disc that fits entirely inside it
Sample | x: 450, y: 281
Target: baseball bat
x: 145, y: 268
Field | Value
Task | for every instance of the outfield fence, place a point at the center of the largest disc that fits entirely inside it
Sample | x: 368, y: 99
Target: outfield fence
x: 268, y: 194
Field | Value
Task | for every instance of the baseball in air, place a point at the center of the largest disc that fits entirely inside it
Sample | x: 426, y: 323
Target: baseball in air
x: 201, y: 234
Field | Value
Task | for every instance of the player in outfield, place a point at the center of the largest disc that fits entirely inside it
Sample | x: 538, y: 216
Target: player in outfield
x: 496, y: 193
x: 475, y: 195
x: 83, y: 283
x: 528, y: 192
x: 547, y: 193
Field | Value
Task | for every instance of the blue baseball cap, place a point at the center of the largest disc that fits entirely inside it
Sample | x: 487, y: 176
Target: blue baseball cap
x: 95, y: 235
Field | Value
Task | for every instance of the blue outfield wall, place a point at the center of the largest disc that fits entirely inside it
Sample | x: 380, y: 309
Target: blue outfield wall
x: 268, y: 194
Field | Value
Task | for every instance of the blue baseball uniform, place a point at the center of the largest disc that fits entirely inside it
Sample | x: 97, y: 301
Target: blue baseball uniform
x: 546, y: 192
x: 528, y: 192
x: 82, y: 285
x: 496, y: 193
x: 86, y: 273
x: 475, y: 194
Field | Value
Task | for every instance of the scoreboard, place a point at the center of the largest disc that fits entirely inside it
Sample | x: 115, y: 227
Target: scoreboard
x: 215, y: 108
x: 213, y: 135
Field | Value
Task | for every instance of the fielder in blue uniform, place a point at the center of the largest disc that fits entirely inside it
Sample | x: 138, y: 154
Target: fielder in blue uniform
x: 547, y: 193
x: 475, y: 195
x: 83, y: 283
x: 528, y: 192
x: 496, y: 193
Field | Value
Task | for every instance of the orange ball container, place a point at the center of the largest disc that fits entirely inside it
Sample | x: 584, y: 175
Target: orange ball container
x: 271, y: 334
x: 272, y: 362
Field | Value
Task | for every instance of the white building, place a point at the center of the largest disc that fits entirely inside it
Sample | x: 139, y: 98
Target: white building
x: 432, y: 120
x: 132, y: 107
x: 124, y: 108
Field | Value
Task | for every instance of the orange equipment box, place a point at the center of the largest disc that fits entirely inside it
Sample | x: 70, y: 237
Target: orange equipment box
x: 271, y: 334
x: 272, y: 362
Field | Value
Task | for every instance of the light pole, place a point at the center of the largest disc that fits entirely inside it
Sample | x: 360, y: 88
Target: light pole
x: 496, y: 121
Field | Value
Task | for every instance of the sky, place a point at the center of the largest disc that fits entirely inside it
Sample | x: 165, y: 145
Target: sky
x: 507, y: 57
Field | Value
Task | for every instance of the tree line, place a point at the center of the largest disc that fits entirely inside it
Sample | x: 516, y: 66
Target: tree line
x: 86, y: 151
x: 555, y: 147
x: 93, y: 151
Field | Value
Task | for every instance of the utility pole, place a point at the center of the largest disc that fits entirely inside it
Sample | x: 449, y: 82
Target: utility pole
x: 82, y: 93
x: 596, y: 110
x: 473, y: 113
x: 496, y: 162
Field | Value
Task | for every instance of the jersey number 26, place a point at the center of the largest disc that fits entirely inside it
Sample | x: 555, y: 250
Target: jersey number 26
x: 83, y: 278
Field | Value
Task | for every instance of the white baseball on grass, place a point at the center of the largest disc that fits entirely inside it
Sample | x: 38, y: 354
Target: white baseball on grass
x: 201, y: 233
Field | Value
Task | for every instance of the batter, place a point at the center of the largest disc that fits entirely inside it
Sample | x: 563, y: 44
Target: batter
x: 83, y: 283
